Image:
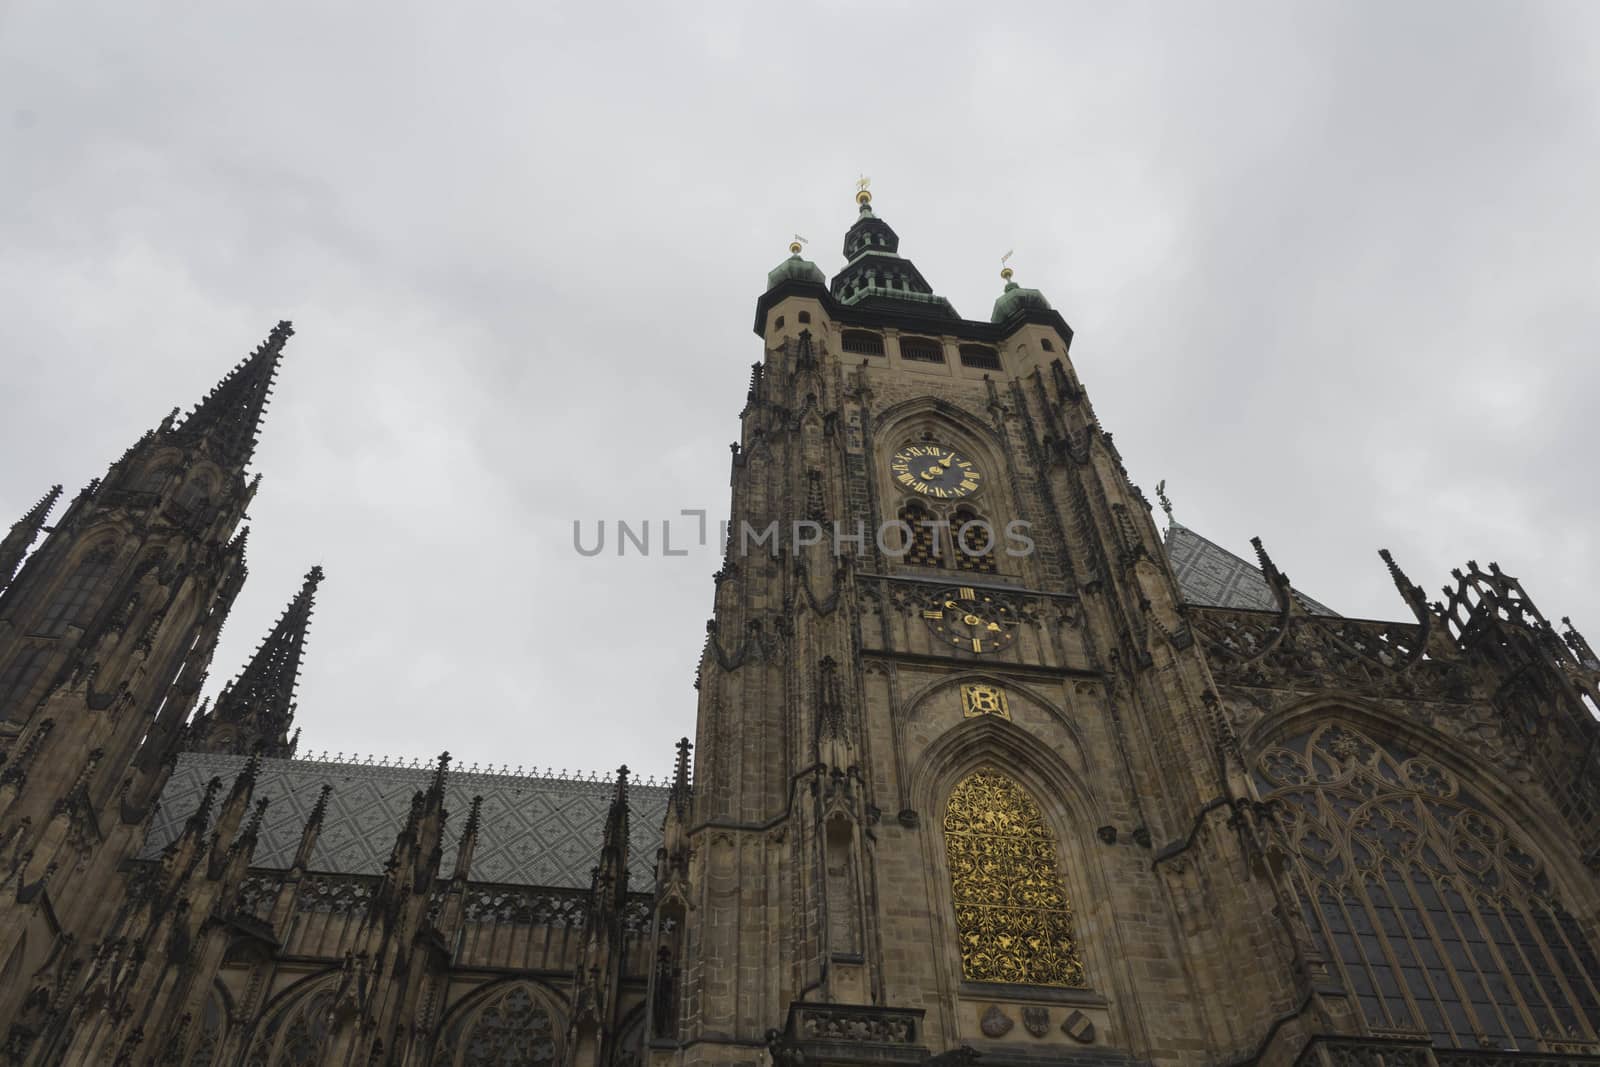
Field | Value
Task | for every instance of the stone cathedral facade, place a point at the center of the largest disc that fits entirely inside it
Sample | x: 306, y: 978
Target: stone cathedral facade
x: 988, y: 769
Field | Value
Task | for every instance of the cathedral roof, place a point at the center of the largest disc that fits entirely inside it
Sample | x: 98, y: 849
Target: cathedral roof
x: 533, y: 830
x: 1210, y: 576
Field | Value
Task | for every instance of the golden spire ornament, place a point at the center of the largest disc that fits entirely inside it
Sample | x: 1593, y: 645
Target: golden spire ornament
x: 863, y: 190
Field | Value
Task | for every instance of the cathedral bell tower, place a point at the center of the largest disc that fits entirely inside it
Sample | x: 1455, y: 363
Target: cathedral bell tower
x: 960, y: 781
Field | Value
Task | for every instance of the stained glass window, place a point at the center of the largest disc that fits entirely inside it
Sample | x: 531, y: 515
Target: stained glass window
x: 511, y: 1029
x: 1439, y: 916
x: 1013, y: 919
x: 73, y: 600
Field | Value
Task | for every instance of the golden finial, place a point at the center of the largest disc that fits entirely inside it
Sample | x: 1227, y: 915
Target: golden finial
x: 863, y: 192
x: 1005, y: 271
x: 797, y: 244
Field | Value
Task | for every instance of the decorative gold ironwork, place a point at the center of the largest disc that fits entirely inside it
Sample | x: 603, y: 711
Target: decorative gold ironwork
x: 978, y: 698
x: 1012, y: 917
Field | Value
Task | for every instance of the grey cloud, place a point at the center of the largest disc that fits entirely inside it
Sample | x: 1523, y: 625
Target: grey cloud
x: 1330, y: 267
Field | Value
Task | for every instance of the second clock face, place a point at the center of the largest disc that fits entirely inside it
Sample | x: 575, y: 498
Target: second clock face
x: 936, y: 471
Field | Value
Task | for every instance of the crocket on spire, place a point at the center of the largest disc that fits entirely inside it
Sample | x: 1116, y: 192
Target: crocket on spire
x: 16, y: 543
x: 258, y: 706
x: 230, y: 414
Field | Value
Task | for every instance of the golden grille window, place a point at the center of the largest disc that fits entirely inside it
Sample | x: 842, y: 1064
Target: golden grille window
x: 1439, y: 916
x: 920, y: 548
x: 973, y: 538
x: 1013, y: 920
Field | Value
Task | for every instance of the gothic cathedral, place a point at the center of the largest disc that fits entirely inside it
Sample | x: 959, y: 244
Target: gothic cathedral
x: 989, y: 768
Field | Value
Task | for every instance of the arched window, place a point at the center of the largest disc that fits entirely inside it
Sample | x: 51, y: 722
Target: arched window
x: 18, y: 679
x: 1013, y: 919
x: 209, y: 1035
x: 307, y: 1033
x: 73, y: 601
x: 511, y: 1028
x: 1438, y: 914
x: 921, y: 550
x: 973, y: 539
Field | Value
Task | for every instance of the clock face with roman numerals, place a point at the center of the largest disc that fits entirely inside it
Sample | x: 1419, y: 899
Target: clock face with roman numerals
x: 971, y: 620
x: 936, y: 471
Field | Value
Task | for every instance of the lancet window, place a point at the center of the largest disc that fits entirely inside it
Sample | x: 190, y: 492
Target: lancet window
x: 1439, y: 915
x: 1013, y: 918
x: 74, y: 598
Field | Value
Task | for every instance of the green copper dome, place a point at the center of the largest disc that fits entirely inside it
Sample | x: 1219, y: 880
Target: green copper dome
x: 1015, y: 299
x: 795, y: 269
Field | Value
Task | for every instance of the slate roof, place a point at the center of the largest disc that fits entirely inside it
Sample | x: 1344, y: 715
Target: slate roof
x: 1211, y: 576
x: 534, y: 831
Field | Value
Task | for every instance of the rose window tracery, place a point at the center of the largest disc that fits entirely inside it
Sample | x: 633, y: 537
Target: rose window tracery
x: 1438, y: 915
x: 1013, y: 919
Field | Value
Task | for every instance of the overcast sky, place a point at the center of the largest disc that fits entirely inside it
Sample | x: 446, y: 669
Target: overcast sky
x: 1331, y: 267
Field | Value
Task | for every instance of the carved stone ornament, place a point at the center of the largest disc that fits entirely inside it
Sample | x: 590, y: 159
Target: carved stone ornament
x: 1036, y: 1021
x: 995, y: 1023
x: 1078, y: 1027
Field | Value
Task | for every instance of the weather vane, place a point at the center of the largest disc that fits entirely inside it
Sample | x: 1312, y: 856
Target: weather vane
x: 863, y: 193
x: 1005, y: 271
x: 863, y: 183
x: 797, y: 244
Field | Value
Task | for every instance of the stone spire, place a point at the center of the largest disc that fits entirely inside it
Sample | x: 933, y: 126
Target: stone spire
x: 230, y: 415
x: 16, y: 543
x: 258, y: 707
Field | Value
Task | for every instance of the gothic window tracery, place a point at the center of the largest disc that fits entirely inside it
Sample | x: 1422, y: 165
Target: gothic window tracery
x: 1439, y: 916
x: 512, y: 1028
x: 1013, y: 918
x: 18, y: 679
x: 72, y: 600
x: 296, y: 1035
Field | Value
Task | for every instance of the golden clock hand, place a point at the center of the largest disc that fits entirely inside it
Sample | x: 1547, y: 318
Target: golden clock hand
x: 945, y: 462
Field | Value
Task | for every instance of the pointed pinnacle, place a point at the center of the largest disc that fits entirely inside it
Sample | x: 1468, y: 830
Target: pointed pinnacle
x: 264, y: 690
x: 252, y: 829
x: 202, y: 814
x: 1412, y: 593
x: 473, y: 817
x: 439, y: 774
x: 35, y: 516
x: 320, y: 808
x: 230, y: 414
x: 1271, y: 572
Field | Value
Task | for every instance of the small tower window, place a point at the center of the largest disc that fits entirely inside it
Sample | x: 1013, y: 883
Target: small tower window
x: 1044, y: 343
x: 779, y: 324
x: 805, y: 316
x: 862, y: 343
x: 980, y: 356
x: 921, y: 350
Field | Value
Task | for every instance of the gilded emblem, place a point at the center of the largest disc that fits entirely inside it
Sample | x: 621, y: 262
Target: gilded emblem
x: 980, y: 699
